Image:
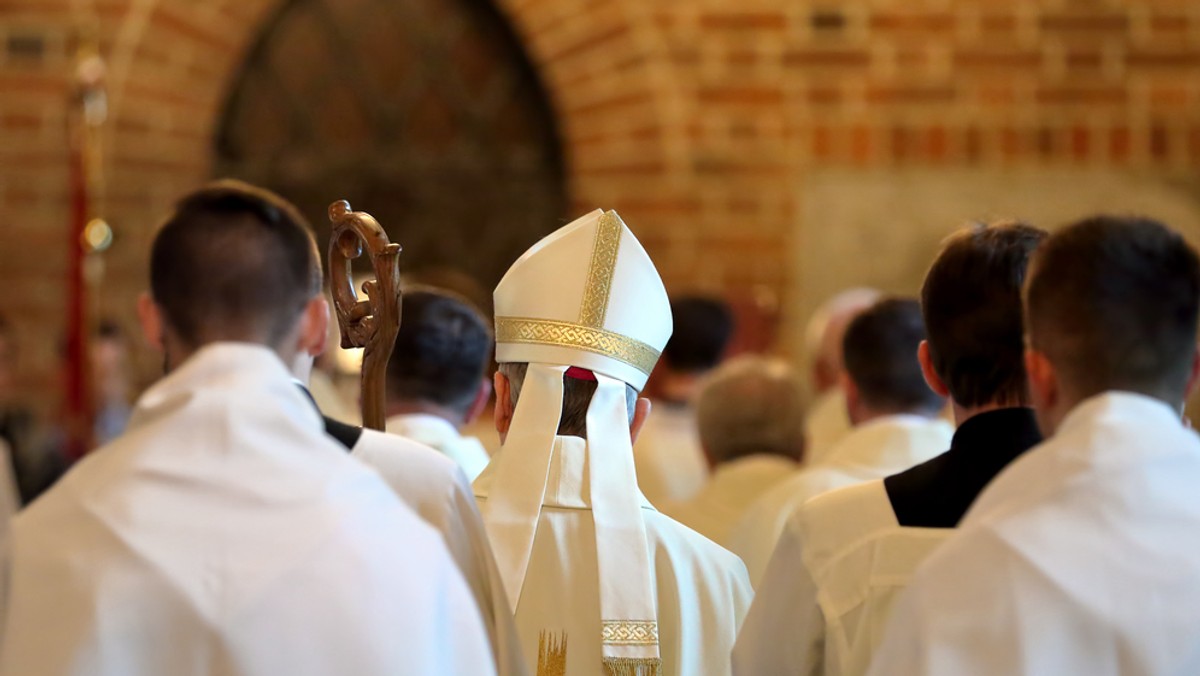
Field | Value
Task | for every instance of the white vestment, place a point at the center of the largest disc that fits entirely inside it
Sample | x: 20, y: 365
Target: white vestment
x: 821, y: 606
x: 670, y: 463
x: 225, y: 533
x: 701, y: 589
x: 873, y: 450
x: 442, y: 436
x: 435, y: 487
x: 10, y: 495
x: 1082, y: 557
x: 734, y: 486
x: 826, y: 424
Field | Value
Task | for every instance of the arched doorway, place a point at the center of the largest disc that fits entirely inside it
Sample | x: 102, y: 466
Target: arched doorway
x: 425, y: 113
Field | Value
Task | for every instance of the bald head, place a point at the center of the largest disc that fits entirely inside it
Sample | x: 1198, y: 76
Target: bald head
x: 827, y: 328
x: 751, y: 405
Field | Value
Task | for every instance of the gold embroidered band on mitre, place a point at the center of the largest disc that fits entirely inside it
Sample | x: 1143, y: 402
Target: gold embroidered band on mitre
x: 566, y: 334
x: 601, y: 269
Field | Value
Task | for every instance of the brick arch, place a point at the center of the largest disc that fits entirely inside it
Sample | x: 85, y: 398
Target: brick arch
x: 173, y: 62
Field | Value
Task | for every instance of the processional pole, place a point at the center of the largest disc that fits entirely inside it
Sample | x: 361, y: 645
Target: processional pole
x: 86, y: 234
x: 371, y: 323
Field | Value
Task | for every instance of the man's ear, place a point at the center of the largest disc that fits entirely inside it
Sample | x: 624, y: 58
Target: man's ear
x: 1043, y: 381
x: 503, y: 412
x: 314, y: 327
x: 1194, y: 376
x: 852, y: 396
x: 150, y: 318
x: 482, y: 394
x: 935, y: 382
x: 641, y: 411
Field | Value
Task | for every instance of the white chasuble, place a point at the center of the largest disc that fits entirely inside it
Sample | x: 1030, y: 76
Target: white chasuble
x: 670, y: 463
x: 440, y: 435
x: 434, y: 486
x: 1081, y: 557
x: 735, y: 485
x: 225, y: 533
x: 873, y: 450
x: 840, y: 563
x: 701, y: 590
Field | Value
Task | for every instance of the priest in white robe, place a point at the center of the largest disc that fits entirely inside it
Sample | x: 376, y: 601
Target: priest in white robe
x: 224, y: 532
x: 1082, y: 556
x: 750, y: 414
x: 827, y: 421
x: 602, y: 583
x: 896, y: 417
x: 670, y: 462
x: 436, y: 381
x: 845, y: 556
x: 435, y: 487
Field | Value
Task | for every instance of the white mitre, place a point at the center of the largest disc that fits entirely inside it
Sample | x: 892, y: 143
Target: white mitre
x: 586, y: 296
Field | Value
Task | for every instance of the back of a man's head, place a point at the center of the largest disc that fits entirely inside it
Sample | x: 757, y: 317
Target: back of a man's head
x: 442, y: 351
x: 971, y: 301
x: 751, y: 405
x: 233, y: 263
x: 826, y: 329
x: 1113, y: 302
x: 703, y: 328
x: 880, y: 353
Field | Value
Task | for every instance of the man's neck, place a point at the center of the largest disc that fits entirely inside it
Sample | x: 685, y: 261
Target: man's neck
x: 866, y: 415
x: 396, y: 408
x: 678, y: 388
x: 964, y: 413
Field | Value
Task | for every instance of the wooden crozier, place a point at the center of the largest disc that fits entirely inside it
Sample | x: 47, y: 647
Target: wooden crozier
x: 371, y: 323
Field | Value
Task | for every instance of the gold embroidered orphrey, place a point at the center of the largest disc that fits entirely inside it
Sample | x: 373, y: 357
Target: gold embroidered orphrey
x: 629, y: 632
x: 552, y: 654
x: 601, y: 269
x: 566, y: 334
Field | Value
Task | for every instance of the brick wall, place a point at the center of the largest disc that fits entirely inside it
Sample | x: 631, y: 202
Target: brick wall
x: 697, y: 120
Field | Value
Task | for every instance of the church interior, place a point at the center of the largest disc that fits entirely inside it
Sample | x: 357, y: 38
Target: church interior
x: 755, y: 158
x: 769, y: 152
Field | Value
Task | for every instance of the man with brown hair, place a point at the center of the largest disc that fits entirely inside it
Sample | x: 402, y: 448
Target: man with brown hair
x: 1081, y: 557
x: 844, y: 556
x: 224, y: 532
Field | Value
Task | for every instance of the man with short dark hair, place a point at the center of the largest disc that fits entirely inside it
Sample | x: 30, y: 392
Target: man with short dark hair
x: 826, y: 422
x: 751, y: 417
x: 896, y: 418
x: 1081, y: 557
x: 670, y: 462
x: 436, y: 383
x: 224, y: 532
x: 844, y: 556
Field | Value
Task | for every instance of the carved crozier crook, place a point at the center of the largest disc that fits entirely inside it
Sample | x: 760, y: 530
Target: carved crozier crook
x: 371, y: 323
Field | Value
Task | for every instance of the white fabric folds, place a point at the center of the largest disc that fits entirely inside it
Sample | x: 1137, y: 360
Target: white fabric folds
x: 512, y: 511
x: 586, y: 296
x: 629, y: 618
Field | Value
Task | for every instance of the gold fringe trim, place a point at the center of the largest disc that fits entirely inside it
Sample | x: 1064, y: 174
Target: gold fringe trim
x: 632, y: 666
x: 552, y: 654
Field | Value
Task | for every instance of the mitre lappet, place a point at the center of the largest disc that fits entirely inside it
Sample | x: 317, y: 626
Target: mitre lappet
x: 586, y: 301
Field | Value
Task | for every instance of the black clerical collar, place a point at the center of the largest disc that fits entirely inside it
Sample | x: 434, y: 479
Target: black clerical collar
x: 346, y: 435
x: 937, y: 493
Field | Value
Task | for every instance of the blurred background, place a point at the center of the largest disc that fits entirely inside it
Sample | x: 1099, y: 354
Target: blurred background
x: 770, y: 152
